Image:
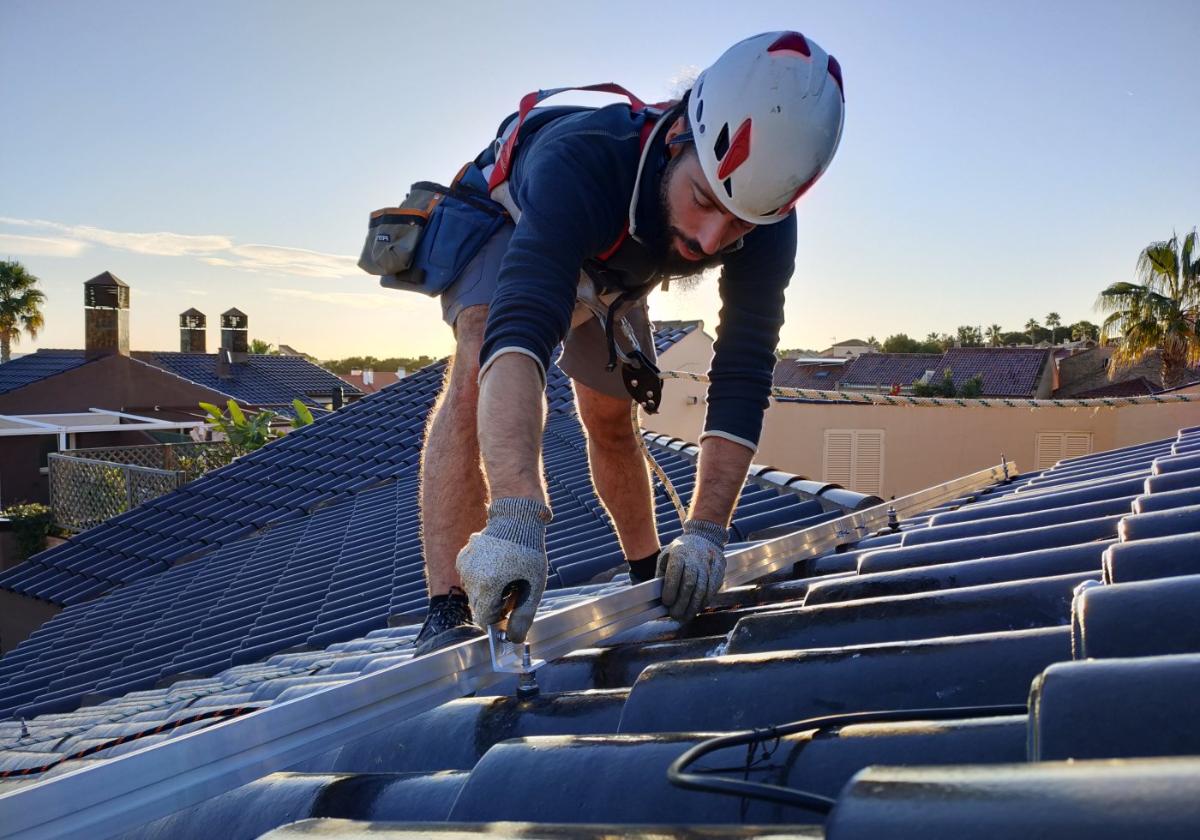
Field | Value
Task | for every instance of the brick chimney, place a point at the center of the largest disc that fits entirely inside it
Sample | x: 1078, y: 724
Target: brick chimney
x: 192, y: 337
x: 106, y: 316
x: 235, y: 334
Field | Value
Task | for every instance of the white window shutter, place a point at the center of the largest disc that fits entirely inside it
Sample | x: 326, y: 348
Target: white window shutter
x: 839, y: 456
x: 1076, y: 444
x: 1052, y: 447
x: 854, y: 459
x: 868, y: 461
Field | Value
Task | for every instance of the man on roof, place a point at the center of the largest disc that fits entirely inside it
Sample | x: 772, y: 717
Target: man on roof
x: 606, y: 204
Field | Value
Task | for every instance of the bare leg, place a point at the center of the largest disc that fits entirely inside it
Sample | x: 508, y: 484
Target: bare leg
x: 453, y: 502
x: 619, y: 471
x: 512, y: 415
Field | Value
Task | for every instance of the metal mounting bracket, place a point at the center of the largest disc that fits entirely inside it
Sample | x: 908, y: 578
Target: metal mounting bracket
x: 509, y: 657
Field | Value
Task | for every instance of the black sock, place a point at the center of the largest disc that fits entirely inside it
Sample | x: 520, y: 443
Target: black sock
x: 643, y: 570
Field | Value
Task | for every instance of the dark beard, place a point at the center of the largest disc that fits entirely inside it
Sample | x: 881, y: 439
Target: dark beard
x: 671, y: 264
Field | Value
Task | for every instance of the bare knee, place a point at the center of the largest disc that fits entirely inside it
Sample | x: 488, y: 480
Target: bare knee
x: 462, y: 379
x: 606, y: 419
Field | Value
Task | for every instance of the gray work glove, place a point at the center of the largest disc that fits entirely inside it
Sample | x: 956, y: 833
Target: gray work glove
x: 511, y: 550
x: 692, y: 568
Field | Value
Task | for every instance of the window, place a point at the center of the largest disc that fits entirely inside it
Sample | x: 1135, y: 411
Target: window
x: 854, y: 459
x: 1052, y: 447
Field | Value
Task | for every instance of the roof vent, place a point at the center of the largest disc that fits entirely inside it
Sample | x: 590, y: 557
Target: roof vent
x: 192, y: 324
x: 224, y: 364
x: 234, y: 334
x: 106, y: 316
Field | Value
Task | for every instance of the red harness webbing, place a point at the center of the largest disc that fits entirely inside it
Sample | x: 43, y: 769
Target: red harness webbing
x: 529, y: 101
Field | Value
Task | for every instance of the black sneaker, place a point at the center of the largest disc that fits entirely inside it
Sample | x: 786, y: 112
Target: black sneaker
x: 448, y: 622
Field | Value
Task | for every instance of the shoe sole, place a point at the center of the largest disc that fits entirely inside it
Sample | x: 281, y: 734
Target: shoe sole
x: 448, y: 637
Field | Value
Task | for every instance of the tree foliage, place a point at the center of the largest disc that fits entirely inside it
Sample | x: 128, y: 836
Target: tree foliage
x: 967, y: 336
x: 901, y: 343
x: 1160, y: 312
x: 20, y: 306
x: 389, y: 365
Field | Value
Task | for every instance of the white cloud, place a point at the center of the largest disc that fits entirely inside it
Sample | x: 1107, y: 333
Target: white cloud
x: 213, y: 249
x: 355, y: 300
x: 159, y: 244
x: 275, y: 259
x: 40, y: 246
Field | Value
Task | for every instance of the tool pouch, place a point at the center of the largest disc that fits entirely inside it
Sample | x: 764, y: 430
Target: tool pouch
x: 425, y: 243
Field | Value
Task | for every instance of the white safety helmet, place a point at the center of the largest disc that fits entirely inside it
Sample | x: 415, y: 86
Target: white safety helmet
x: 766, y: 119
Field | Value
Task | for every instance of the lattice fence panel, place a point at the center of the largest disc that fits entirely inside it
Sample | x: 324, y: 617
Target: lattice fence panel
x: 88, y: 486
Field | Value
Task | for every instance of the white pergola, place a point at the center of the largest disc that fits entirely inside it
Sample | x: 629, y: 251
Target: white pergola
x: 93, y: 420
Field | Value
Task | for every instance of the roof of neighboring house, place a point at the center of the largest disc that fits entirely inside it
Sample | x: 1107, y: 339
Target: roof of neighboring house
x: 270, y: 381
x: 380, y: 380
x: 25, y: 370
x: 666, y: 333
x: 260, y: 380
x: 850, y: 342
x: 341, y: 558
x: 1076, y: 581
x: 796, y: 373
x: 1006, y: 371
x: 890, y: 368
x: 1137, y: 387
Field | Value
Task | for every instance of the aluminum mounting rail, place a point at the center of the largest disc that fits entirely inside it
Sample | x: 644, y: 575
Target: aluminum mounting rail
x: 130, y: 790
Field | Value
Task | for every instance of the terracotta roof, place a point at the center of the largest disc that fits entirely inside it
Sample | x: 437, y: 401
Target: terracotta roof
x: 890, y: 368
x: 1137, y: 387
x: 1006, y: 371
x: 380, y: 379
x: 791, y: 373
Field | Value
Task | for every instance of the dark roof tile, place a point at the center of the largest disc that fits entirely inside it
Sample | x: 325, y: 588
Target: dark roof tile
x: 980, y: 610
x: 25, y: 370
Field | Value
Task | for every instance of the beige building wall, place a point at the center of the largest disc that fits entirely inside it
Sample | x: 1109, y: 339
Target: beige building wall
x: 921, y: 446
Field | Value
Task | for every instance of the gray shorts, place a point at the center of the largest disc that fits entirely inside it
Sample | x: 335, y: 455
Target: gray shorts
x: 585, y: 349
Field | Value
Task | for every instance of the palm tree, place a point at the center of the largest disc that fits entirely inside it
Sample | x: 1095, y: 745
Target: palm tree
x: 20, y: 306
x: 1160, y: 312
x: 1031, y: 327
x: 994, y: 335
x: 1053, y: 321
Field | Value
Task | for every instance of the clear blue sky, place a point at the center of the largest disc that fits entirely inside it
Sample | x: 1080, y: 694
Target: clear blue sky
x: 999, y: 160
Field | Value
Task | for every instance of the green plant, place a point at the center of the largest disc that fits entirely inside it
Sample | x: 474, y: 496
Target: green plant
x: 32, y: 523
x: 971, y: 388
x: 303, y: 415
x: 20, y: 305
x: 1162, y: 312
x: 250, y: 431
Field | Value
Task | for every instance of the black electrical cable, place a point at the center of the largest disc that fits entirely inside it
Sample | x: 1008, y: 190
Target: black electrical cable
x: 677, y: 773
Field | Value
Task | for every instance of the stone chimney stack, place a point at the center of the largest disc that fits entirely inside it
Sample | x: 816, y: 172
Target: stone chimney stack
x: 106, y: 316
x: 235, y: 334
x: 192, y: 337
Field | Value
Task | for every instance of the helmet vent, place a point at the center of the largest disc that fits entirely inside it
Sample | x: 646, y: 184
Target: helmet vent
x: 791, y: 42
x: 738, y: 151
x: 728, y: 185
x: 721, y: 147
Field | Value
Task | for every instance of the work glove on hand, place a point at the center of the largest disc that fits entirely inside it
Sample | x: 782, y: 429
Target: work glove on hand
x: 692, y: 568
x: 510, y: 550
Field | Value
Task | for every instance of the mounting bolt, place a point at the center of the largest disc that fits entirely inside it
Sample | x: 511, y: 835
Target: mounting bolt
x: 527, y: 687
x: 1004, y: 466
x: 893, y: 521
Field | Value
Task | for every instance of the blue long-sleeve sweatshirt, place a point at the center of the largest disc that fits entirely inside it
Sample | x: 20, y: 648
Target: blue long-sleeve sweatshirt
x: 574, y: 180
